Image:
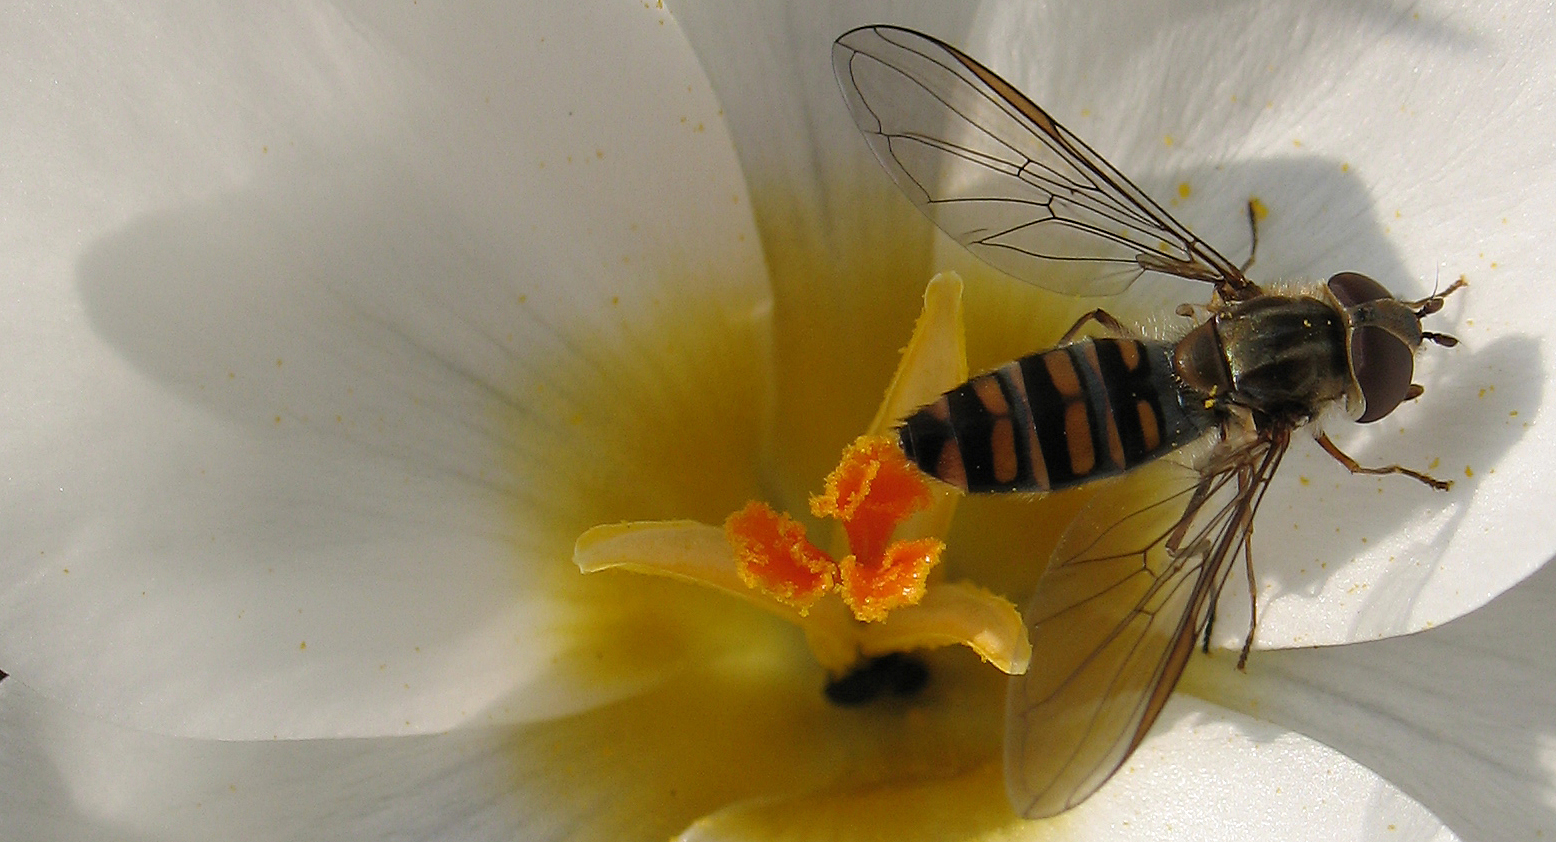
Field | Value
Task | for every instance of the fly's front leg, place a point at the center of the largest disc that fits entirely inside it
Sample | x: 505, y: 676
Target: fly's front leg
x: 1101, y: 317
x: 1352, y: 466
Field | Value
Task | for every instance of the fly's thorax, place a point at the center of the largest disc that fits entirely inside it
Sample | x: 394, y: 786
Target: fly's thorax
x: 1057, y: 418
x: 1282, y: 356
x: 1286, y: 354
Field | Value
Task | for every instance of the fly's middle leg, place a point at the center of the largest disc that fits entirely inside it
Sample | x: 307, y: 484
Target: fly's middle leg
x: 1354, y: 467
x: 1253, y: 234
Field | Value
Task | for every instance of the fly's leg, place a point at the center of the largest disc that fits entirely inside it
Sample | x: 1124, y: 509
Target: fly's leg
x: 1253, y: 610
x: 1196, y: 500
x: 1253, y: 236
x: 1175, y: 540
x: 1210, y: 624
x: 1253, y: 605
x: 1101, y: 317
x: 1245, y: 479
x: 1355, y: 468
x: 1253, y: 602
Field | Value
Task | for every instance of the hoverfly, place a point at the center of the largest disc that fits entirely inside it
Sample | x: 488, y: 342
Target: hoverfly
x: 1130, y: 589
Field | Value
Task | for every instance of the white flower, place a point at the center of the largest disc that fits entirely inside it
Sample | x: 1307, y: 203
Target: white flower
x: 329, y: 330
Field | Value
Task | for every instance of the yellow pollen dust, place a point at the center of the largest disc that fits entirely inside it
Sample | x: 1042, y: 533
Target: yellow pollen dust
x: 871, y: 492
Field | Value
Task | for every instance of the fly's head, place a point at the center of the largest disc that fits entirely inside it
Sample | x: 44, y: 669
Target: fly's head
x: 1382, y: 335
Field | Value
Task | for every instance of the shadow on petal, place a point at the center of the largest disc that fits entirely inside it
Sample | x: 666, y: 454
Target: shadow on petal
x: 410, y: 426
x: 1322, y: 220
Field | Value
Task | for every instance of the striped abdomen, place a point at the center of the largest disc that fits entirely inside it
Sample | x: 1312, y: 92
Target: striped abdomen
x: 1057, y: 418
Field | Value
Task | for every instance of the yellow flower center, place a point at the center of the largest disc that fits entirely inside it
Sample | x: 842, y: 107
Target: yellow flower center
x: 877, y: 599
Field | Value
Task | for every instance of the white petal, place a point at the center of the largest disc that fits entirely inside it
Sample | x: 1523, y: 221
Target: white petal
x: 1458, y: 716
x: 68, y: 776
x: 642, y: 769
x: 1403, y: 144
x: 1209, y: 775
x: 633, y: 771
x: 323, y: 330
x: 1212, y: 774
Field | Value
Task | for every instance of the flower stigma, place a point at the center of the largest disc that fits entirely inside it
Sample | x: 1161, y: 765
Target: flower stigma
x: 876, y: 598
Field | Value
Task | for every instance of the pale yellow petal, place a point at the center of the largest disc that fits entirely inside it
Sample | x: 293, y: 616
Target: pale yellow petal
x: 954, y: 613
x: 680, y: 549
x: 935, y: 359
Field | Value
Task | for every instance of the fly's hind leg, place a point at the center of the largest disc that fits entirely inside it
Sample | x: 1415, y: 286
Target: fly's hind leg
x: 1253, y: 611
x: 1355, y: 468
x: 1210, y: 625
x: 1175, y: 543
x: 1101, y: 317
x: 1253, y: 604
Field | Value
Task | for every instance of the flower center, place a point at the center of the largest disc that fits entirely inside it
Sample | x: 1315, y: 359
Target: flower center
x: 884, y: 601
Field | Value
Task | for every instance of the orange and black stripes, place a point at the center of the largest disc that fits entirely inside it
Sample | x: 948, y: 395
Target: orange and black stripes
x: 1056, y: 419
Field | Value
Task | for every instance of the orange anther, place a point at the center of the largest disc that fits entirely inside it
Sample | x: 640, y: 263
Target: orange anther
x: 873, y: 489
x: 773, y: 556
x: 895, y: 579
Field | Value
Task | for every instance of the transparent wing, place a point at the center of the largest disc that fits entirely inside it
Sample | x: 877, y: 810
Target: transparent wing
x: 1116, y: 615
x: 995, y: 172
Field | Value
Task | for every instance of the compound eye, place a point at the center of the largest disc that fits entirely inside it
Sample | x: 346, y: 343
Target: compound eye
x: 1383, y: 366
x: 1352, y: 288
